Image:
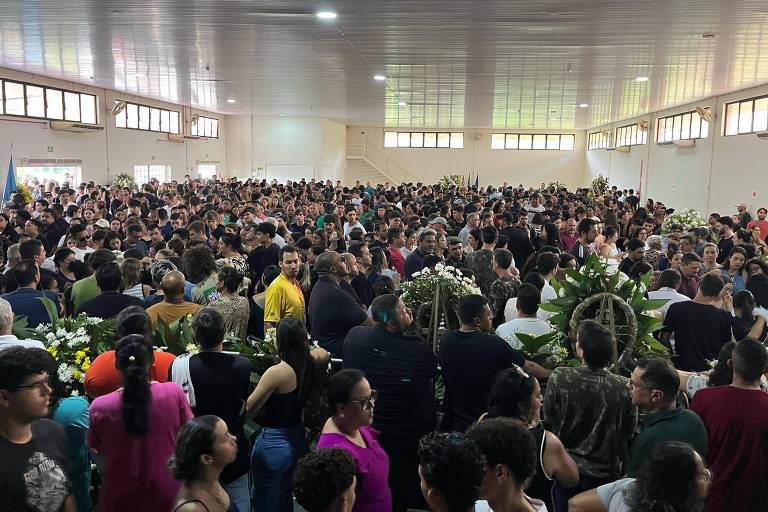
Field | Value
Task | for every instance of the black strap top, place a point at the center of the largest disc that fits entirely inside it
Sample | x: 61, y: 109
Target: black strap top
x: 541, y: 485
x: 282, y: 411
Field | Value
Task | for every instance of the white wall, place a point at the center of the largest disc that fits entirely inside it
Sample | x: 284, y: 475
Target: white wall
x: 105, y: 153
x: 285, y: 148
x: 493, y: 166
x: 713, y: 176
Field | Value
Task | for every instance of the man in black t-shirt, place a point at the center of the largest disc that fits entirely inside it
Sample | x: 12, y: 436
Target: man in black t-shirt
x: 33, y: 473
x: 400, y: 368
x: 470, y: 358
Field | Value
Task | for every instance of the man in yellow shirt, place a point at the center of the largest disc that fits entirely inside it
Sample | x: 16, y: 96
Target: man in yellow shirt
x: 284, y: 296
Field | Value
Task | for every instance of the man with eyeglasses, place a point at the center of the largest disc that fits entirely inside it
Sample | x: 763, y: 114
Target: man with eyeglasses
x: 401, y: 368
x: 653, y: 386
x: 33, y: 449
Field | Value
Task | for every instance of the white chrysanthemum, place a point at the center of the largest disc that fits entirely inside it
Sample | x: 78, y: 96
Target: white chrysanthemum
x: 192, y: 348
x: 65, y: 372
x: 61, y: 333
x: 75, y: 392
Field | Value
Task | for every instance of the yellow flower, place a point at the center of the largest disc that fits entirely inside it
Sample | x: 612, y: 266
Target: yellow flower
x: 86, y: 364
x: 77, y: 374
x: 52, y: 351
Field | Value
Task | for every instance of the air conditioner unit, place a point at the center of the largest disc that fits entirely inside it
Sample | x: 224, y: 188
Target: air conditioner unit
x: 682, y: 143
x: 68, y: 126
x: 620, y: 149
x: 175, y: 137
x: 762, y: 135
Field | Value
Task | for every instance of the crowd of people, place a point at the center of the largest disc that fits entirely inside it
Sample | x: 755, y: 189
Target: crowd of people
x: 320, y: 261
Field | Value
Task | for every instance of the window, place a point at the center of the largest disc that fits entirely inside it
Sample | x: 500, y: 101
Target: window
x: 550, y: 141
x: 688, y: 125
x: 45, y: 171
x: 206, y: 171
x: 451, y: 140
x: 206, y: 127
x: 152, y: 119
x: 746, y: 116
x: 597, y: 140
x: 630, y: 135
x: 146, y: 173
x: 29, y: 100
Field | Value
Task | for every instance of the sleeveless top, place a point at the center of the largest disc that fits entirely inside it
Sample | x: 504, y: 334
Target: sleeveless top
x: 541, y: 485
x: 232, y: 505
x: 283, y: 411
x: 136, y: 290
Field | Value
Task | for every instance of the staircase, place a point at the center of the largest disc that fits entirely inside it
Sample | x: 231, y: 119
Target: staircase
x: 365, y: 163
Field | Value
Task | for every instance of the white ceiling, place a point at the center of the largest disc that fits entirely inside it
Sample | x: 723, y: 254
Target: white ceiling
x: 456, y: 63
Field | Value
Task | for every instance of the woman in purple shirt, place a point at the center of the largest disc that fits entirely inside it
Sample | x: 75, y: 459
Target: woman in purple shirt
x: 351, y: 401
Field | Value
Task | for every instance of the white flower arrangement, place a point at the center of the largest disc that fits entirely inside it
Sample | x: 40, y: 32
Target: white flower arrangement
x: 687, y: 219
x: 421, y: 288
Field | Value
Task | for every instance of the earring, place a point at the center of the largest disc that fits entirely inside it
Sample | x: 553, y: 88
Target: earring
x: 341, y: 415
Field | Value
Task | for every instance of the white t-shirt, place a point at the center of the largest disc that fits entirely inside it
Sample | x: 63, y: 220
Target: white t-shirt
x: 349, y: 227
x: 612, y: 494
x: 670, y: 294
x: 532, y: 326
x: 510, y: 311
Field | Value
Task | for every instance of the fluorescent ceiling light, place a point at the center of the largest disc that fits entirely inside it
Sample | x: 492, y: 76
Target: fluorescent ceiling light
x: 583, y: 105
x: 402, y: 103
x: 641, y: 79
x: 379, y: 77
x: 231, y: 100
x: 282, y: 115
x: 326, y: 15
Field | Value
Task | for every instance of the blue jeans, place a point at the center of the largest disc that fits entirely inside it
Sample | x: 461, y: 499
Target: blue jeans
x: 273, y: 460
x: 238, y: 493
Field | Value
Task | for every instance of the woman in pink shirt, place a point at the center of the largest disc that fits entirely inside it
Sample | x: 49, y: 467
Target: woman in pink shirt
x: 134, y: 430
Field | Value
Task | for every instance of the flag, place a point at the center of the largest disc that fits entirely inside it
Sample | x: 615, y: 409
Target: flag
x: 477, y: 181
x: 10, y: 182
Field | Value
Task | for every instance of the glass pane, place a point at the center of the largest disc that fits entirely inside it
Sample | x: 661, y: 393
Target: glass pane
x: 567, y: 142
x: 165, y: 119
x: 553, y: 142
x: 539, y: 142
x: 1, y: 97
x: 511, y: 142
x: 497, y: 141
x: 154, y: 119
x: 417, y: 140
x: 677, y: 124
x: 35, y: 101
x: 761, y: 115
x: 132, y: 115
x: 14, y: 99
x: 685, y: 125
x: 71, y: 106
x: 120, y: 119
x: 143, y: 117
x: 404, y: 140
x: 457, y: 140
x: 174, y: 122
x: 430, y: 140
x: 704, y: 129
x: 443, y: 140
x: 209, y: 132
x: 526, y: 141
x: 732, y: 119
x: 215, y: 127
x: 88, y: 108
x: 390, y: 139
x: 695, y: 126
x: 745, y: 116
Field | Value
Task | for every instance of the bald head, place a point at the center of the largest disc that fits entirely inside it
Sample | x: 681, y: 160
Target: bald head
x: 173, y: 284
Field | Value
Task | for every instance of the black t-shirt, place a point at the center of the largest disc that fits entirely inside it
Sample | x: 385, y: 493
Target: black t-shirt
x: 363, y: 289
x: 700, y: 332
x: 221, y: 384
x: 260, y: 258
x: 109, y: 304
x: 333, y: 312
x: 400, y: 368
x: 34, y: 476
x: 470, y: 362
x: 724, y: 246
x: 741, y: 329
x: 519, y: 244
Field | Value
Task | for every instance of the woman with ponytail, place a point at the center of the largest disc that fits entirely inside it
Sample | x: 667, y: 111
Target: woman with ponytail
x: 134, y: 430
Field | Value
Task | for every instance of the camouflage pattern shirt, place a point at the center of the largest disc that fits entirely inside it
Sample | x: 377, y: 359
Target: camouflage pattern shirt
x: 592, y: 413
x: 480, y: 262
x: 501, y: 290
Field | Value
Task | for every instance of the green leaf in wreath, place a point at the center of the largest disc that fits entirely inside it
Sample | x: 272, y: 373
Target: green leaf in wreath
x: 50, y: 308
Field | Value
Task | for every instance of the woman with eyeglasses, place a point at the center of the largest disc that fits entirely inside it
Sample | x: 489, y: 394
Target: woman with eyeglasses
x: 673, y: 479
x: 351, y: 401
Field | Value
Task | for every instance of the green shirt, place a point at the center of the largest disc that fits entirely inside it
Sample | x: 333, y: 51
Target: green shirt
x: 656, y: 428
x: 84, y: 290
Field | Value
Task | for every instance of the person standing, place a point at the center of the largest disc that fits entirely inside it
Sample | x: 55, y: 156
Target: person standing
x: 690, y: 270
x: 653, y: 386
x: 34, y: 472
x: 426, y: 246
x: 473, y: 221
x: 590, y: 410
x: 518, y: 238
x: 725, y: 244
x: 396, y: 241
x: 284, y: 296
x: 110, y: 301
x: 25, y: 300
x: 173, y: 306
x: 324, y: 481
x: 505, y: 286
x: 401, y: 368
x: 480, y: 262
x: 582, y: 248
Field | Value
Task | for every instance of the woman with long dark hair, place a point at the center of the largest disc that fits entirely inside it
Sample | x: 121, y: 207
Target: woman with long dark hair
x: 282, y: 391
x: 134, y: 430
x: 548, y: 236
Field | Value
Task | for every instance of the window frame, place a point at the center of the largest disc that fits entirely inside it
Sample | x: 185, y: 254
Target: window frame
x: 45, y: 89
x: 515, y: 136
x: 679, y: 118
x: 166, y: 170
x: 452, y: 134
x: 632, y: 127
x: 737, y: 104
x: 149, y: 108
x: 202, y: 120
x: 601, y: 143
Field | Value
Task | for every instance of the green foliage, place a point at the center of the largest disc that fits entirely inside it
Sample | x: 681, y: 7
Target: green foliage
x: 176, y: 336
x: 547, y: 349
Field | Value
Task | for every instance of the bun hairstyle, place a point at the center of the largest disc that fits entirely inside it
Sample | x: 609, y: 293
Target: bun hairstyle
x: 133, y: 357
x: 195, y: 438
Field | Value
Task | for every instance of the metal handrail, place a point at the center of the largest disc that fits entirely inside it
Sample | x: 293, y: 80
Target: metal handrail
x: 359, y: 149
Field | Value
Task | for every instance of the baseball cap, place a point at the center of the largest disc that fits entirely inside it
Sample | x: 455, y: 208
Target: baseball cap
x: 453, y: 240
x: 439, y: 220
x: 325, y: 262
x: 102, y: 223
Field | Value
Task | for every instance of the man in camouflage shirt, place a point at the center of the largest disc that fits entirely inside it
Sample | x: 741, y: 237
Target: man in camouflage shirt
x: 591, y: 411
x: 504, y: 287
x: 480, y: 262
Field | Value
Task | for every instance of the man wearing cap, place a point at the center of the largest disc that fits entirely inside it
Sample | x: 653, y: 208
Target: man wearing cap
x: 744, y: 217
x: 439, y: 224
x: 332, y: 310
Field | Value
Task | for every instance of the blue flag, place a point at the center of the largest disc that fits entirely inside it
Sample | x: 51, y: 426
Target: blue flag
x: 10, y: 182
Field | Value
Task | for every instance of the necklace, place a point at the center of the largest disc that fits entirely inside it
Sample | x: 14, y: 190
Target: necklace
x: 215, y: 495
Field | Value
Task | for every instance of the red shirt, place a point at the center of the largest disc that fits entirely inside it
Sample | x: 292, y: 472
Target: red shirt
x: 102, y: 377
x: 737, y: 426
x: 762, y: 224
x: 396, y: 260
x: 568, y: 240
